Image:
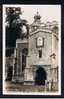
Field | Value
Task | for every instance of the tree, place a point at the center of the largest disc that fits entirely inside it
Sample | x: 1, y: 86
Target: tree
x: 14, y: 27
x: 12, y: 15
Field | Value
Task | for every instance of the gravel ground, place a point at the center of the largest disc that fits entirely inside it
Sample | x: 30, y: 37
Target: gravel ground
x: 24, y: 88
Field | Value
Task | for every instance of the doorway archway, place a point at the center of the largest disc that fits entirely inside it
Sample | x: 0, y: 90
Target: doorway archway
x: 40, y: 76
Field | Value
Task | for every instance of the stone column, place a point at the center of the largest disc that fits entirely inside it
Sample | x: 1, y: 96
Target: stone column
x: 19, y: 67
x: 18, y: 76
x: 14, y: 66
x: 28, y: 76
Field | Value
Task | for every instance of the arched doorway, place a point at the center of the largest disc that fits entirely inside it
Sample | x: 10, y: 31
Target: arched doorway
x: 40, y: 76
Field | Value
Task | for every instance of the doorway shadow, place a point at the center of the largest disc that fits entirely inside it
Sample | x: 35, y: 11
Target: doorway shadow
x: 40, y: 76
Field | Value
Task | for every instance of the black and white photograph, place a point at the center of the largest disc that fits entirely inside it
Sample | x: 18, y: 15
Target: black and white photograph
x: 31, y: 49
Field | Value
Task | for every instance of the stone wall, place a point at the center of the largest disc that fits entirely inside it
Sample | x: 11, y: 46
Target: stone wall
x: 33, y: 56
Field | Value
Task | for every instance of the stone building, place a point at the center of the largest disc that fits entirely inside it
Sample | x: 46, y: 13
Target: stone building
x: 36, y: 57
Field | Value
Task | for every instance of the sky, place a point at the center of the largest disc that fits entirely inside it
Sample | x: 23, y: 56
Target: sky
x: 47, y: 12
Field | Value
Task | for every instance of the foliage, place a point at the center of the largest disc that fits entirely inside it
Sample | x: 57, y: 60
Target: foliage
x: 14, y: 26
